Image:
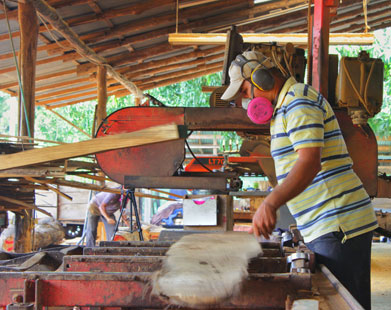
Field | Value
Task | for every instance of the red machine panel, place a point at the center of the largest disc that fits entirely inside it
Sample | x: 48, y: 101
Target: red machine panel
x: 159, y: 159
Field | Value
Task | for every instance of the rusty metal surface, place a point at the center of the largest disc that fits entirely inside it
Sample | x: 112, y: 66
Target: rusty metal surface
x: 160, y: 159
x: 163, y: 159
x: 103, y: 263
x: 222, y: 119
x: 383, y: 187
x: 214, y: 183
x: 260, y: 291
x: 107, y: 263
x: 135, y: 244
x: 121, y: 280
x: 152, y: 251
x: 139, y: 251
x: 362, y: 146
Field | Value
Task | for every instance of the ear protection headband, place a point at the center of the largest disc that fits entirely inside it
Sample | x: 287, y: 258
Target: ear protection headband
x: 260, y: 77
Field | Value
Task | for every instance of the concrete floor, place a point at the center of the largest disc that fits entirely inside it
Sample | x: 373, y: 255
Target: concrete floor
x: 381, y: 276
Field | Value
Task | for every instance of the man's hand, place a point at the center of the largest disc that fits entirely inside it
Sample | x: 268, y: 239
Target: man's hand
x: 111, y: 221
x: 264, y: 220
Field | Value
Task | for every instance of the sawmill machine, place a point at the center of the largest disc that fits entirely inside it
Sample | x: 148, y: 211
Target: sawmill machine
x: 357, y: 96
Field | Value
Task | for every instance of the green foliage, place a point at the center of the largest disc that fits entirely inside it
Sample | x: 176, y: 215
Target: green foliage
x: 4, y: 113
x: 51, y: 127
x: 187, y: 94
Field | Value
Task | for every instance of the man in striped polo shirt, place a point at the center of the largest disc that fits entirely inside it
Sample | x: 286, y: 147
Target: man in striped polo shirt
x: 314, y: 172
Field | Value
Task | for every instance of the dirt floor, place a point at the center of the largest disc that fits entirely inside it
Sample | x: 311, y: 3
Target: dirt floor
x: 381, y: 276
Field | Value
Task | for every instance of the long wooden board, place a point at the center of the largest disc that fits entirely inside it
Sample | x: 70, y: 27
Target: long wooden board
x: 294, y: 38
x: 93, y: 146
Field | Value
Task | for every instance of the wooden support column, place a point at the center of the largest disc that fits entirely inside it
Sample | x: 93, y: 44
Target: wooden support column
x: 28, y: 55
x: 28, y: 22
x: 101, y: 110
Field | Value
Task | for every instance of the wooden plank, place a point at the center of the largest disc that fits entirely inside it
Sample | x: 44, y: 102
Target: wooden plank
x: 280, y: 38
x: 24, y: 205
x: 141, y: 137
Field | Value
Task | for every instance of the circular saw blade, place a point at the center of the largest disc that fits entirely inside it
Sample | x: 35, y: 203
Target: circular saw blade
x: 158, y: 159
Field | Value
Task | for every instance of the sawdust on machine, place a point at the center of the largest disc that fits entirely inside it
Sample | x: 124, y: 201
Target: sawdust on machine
x: 201, y: 270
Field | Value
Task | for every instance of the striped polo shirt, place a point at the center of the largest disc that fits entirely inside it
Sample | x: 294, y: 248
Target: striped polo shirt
x: 336, y: 199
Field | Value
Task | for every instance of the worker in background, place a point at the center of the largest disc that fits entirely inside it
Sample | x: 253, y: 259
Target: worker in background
x: 102, y: 207
x: 313, y: 168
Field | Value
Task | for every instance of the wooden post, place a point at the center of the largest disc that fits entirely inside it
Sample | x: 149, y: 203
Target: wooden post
x: 28, y: 22
x: 28, y: 55
x: 101, y: 111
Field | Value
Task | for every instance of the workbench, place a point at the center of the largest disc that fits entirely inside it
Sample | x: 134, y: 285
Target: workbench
x: 118, y: 274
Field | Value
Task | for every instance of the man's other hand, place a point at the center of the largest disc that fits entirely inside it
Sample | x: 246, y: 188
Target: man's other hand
x: 111, y: 221
x: 264, y: 220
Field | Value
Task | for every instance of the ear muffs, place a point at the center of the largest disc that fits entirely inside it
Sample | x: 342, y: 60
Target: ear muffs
x: 262, y: 78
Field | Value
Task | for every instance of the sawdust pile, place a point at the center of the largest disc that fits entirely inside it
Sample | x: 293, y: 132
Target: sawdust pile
x: 201, y: 270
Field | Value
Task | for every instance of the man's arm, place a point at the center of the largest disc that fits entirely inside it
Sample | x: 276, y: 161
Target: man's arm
x: 303, y: 172
x: 102, y: 209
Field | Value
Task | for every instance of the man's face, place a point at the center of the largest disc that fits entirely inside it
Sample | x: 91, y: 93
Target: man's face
x: 245, y: 92
x: 245, y: 89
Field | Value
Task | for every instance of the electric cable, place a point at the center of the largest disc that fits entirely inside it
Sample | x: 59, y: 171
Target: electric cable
x: 195, y: 157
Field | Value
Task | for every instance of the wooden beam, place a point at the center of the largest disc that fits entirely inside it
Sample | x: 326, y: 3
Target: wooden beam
x: 66, y: 57
x: 88, y: 68
x: 24, y: 205
x: 101, y: 79
x: 63, y: 84
x: 25, y: 138
x: 99, y: 188
x: 152, y: 70
x: 135, y: 73
x: 40, y: 78
x: 78, y: 95
x: 28, y: 46
x: 149, y: 84
x: 280, y: 38
x: 28, y: 23
x: 178, y: 79
x: 48, y: 187
x: 140, y: 137
x: 132, y: 57
x: 215, y: 67
x: 60, y: 25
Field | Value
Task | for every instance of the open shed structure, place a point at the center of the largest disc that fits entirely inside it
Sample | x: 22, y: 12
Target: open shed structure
x: 74, y: 51
x: 63, y: 52
x: 131, y: 38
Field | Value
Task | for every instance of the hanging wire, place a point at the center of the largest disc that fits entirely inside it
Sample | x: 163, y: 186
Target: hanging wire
x: 177, y: 16
x: 50, y: 32
x: 365, y: 7
x: 17, y: 71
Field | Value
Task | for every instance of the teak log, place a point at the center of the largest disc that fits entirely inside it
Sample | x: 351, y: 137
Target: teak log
x: 136, y: 138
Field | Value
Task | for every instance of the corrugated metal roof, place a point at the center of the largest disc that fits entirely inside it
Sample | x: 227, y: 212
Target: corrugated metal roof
x: 132, y: 34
